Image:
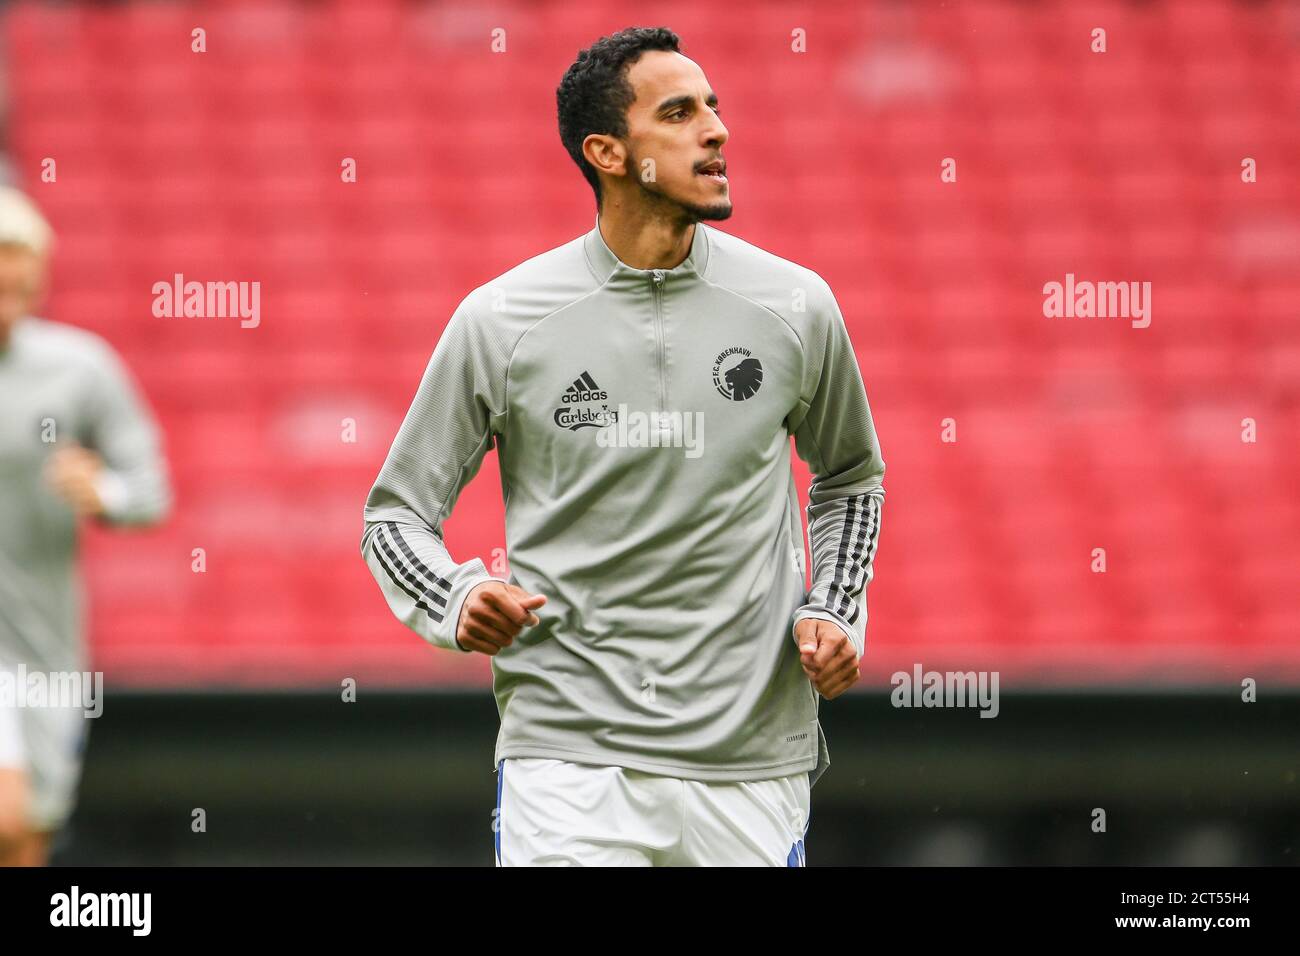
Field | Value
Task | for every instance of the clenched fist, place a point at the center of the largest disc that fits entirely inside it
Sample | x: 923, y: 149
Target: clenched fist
x: 72, y: 471
x: 828, y: 656
x: 493, y: 613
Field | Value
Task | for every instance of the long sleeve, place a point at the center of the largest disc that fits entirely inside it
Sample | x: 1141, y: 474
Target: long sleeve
x: 452, y: 422
x: 835, y: 435
x: 134, y: 486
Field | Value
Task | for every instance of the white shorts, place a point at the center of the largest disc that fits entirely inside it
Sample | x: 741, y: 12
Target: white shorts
x: 47, y: 743
x: 557, y: 813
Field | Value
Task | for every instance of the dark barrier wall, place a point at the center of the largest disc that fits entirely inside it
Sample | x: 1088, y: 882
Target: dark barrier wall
x: 1187, y: 779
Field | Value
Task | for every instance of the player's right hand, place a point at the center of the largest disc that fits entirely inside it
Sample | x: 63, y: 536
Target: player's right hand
x: 71, y: 471
x: 493, y: 614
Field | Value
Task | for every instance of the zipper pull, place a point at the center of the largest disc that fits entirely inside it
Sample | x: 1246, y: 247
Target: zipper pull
x: 658, y: 275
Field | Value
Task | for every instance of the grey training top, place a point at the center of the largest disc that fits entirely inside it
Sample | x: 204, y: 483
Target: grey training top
x: 642, y: 419
x: 60, y: 384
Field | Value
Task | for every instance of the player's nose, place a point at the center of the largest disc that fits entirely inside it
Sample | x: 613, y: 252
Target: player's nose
x: 715, y: 132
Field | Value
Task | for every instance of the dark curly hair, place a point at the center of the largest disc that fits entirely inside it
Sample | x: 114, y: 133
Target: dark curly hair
x: 594, y: 95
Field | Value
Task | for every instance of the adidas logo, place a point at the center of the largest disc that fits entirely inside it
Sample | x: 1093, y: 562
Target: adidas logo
x: 583, y: 391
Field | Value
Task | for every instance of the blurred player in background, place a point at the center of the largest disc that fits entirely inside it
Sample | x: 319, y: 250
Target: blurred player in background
x: 76, y: 441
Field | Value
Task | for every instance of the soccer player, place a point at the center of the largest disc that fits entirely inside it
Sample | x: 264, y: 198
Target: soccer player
x: 656, y: 655
x: 76, y: 441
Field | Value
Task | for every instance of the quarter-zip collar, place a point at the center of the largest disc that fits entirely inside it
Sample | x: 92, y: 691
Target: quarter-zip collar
x: 606, y: 266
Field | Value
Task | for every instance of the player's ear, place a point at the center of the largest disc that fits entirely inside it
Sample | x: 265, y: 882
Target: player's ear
x: 607, y: 153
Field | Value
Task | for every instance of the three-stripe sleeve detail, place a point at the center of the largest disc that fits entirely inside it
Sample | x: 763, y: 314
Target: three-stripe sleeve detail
x: 434, y: 580
x: 858, y: 539
x: 408, y: 572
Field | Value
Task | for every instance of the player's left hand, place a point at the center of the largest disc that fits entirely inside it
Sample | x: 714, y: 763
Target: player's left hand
x: 71, y: 471
x: 828, y: 656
